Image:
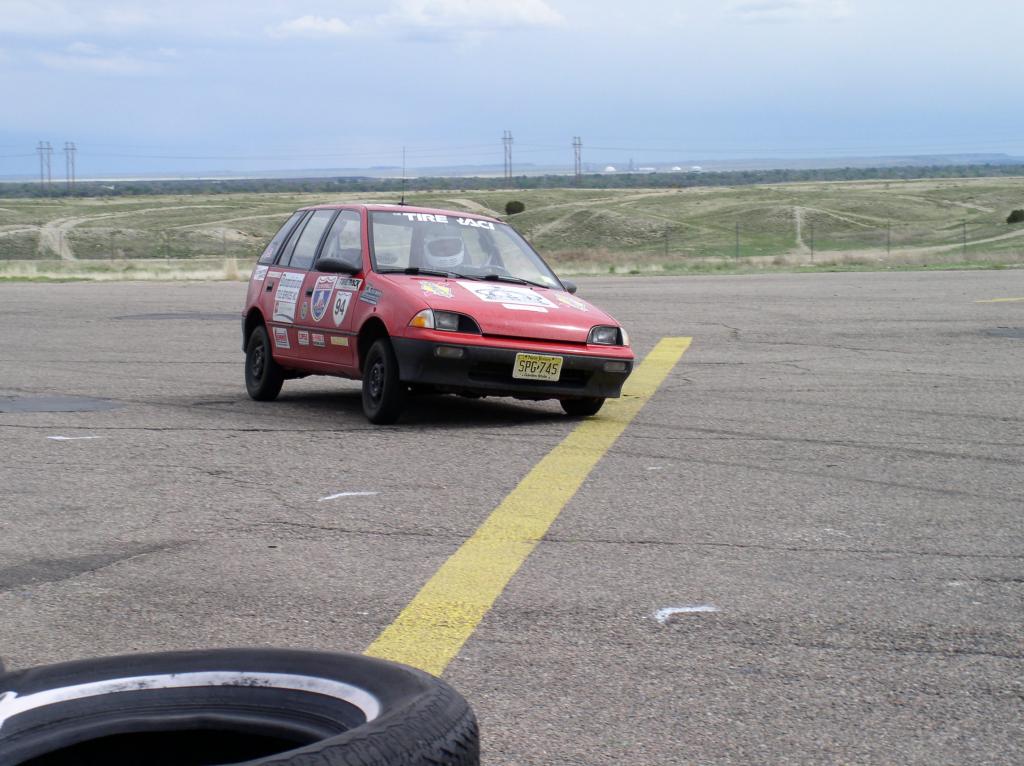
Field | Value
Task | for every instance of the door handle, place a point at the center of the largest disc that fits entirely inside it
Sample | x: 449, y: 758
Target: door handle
x: 270, y: 286
x: 309, y: 293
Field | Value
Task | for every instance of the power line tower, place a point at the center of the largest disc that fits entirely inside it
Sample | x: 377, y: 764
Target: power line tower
x: 577, y: 146
x: 69, y: 164
x: 45, y: 153
x: 506, y: 139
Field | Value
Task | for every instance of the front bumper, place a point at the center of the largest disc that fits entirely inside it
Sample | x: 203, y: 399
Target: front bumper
x: 487, y: 371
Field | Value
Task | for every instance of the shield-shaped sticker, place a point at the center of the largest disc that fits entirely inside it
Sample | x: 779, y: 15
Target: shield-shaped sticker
x: 322, y: 297
x: 341, y: 301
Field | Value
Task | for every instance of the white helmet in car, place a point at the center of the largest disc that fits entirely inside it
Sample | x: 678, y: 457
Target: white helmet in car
x: 442, y: 250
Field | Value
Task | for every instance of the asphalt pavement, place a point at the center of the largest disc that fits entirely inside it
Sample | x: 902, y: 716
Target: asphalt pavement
x: 829, y: 484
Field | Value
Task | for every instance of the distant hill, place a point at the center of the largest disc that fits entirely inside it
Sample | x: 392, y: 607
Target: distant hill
x: 618, y: 180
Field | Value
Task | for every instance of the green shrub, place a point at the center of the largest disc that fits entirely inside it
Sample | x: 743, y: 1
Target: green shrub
x: 1015, y: 216
x: 513, y: 207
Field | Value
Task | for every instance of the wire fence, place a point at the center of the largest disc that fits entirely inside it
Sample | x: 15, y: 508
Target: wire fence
x: 673, y: 243
x: 810, y: 242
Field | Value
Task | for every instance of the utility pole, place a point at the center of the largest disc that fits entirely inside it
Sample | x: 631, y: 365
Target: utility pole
x: 69, y: 163
x: 506, y: 139
x: 45, y: 175
x: 577, y: 146
x: 402, y: 201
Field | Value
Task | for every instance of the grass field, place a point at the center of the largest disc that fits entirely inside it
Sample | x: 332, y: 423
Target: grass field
x: 844, y: 224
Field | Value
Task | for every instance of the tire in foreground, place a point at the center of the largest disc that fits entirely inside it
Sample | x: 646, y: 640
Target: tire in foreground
x: 233, y: 706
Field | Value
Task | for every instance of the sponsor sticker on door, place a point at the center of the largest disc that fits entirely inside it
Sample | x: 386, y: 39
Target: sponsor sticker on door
x: 287, y: 296
x: 341, y: 300
x: 322, y: 296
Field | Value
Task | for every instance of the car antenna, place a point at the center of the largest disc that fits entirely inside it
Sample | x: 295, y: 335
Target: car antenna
x: 402, y: 200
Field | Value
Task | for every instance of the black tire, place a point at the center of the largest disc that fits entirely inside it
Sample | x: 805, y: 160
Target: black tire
x: 384, y: 393
x: 263, y: 376
x: 250, y: 707
x: 582, y: 407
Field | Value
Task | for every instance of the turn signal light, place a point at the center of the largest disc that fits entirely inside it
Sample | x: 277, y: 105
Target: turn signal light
x: 449, y: 352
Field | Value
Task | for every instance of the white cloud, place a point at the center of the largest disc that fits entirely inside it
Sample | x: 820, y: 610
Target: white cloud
x: 782, y: 11
x: 42, y: 17
x: 471, y: 15
x: 86, y: 57
x: 311, y: 26
x: 84, y: 49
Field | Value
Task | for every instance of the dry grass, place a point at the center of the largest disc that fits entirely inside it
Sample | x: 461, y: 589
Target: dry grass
x: 172, y: 269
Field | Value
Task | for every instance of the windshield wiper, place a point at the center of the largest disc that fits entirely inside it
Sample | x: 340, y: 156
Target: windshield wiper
x: 417, y: 270
x: 509, y: 278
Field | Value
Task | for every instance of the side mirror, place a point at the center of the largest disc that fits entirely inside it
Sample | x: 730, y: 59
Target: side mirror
x: 338, y: 266
x: 570, y: 286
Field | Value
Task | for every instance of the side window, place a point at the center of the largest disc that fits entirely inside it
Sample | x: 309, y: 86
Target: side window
x: 279, y: 238
x: 345, y: 239
x: 305, y: 247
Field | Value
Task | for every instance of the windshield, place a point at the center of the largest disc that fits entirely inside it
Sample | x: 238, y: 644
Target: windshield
x: 454, y: 246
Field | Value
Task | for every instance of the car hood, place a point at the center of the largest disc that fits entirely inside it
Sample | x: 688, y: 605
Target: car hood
x: 504, y: 308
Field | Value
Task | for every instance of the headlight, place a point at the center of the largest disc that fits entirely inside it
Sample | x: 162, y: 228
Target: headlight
x: 448, y: 321
x: 605, y: 335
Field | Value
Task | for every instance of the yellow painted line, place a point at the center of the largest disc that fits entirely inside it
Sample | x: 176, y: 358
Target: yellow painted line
x: 1001, y: 300
x: 431, y: 630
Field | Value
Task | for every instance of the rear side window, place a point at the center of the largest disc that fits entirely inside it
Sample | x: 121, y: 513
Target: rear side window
x: 345, y: 239
x: 275, y: 244
x: 305, y: 247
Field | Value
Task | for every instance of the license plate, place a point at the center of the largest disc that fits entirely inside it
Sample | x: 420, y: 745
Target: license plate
x: 537, y: 367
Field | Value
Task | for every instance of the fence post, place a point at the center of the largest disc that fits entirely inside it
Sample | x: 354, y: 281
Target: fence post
x: 812, y: 241
x: 963, y: 228
x: 737, y: 240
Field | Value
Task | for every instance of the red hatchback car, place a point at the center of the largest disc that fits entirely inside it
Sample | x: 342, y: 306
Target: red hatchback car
x: 415, y: 299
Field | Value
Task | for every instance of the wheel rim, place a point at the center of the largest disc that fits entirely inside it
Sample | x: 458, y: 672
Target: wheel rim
x: 257, y: 362
x: 375, y: 381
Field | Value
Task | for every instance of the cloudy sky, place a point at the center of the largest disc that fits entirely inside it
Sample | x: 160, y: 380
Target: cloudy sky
x: 201, y: 85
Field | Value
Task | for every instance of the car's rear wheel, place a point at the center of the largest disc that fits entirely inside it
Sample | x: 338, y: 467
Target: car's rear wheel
x: 582, y: 407
x: 263, y: 376
x: 384, y: 393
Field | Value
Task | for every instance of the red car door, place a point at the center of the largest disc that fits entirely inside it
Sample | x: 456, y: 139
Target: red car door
x: 284, y: 303
x: 331, y: 295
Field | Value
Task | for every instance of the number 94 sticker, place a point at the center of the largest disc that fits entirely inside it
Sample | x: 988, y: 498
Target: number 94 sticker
x: 341, y: 300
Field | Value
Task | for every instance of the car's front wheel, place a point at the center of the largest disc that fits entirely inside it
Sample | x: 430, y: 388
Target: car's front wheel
x: 582, y: 407
x: 383, y: 391
x: 263, y: 376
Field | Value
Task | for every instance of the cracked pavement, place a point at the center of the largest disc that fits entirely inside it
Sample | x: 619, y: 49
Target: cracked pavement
x: 836, y: 465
